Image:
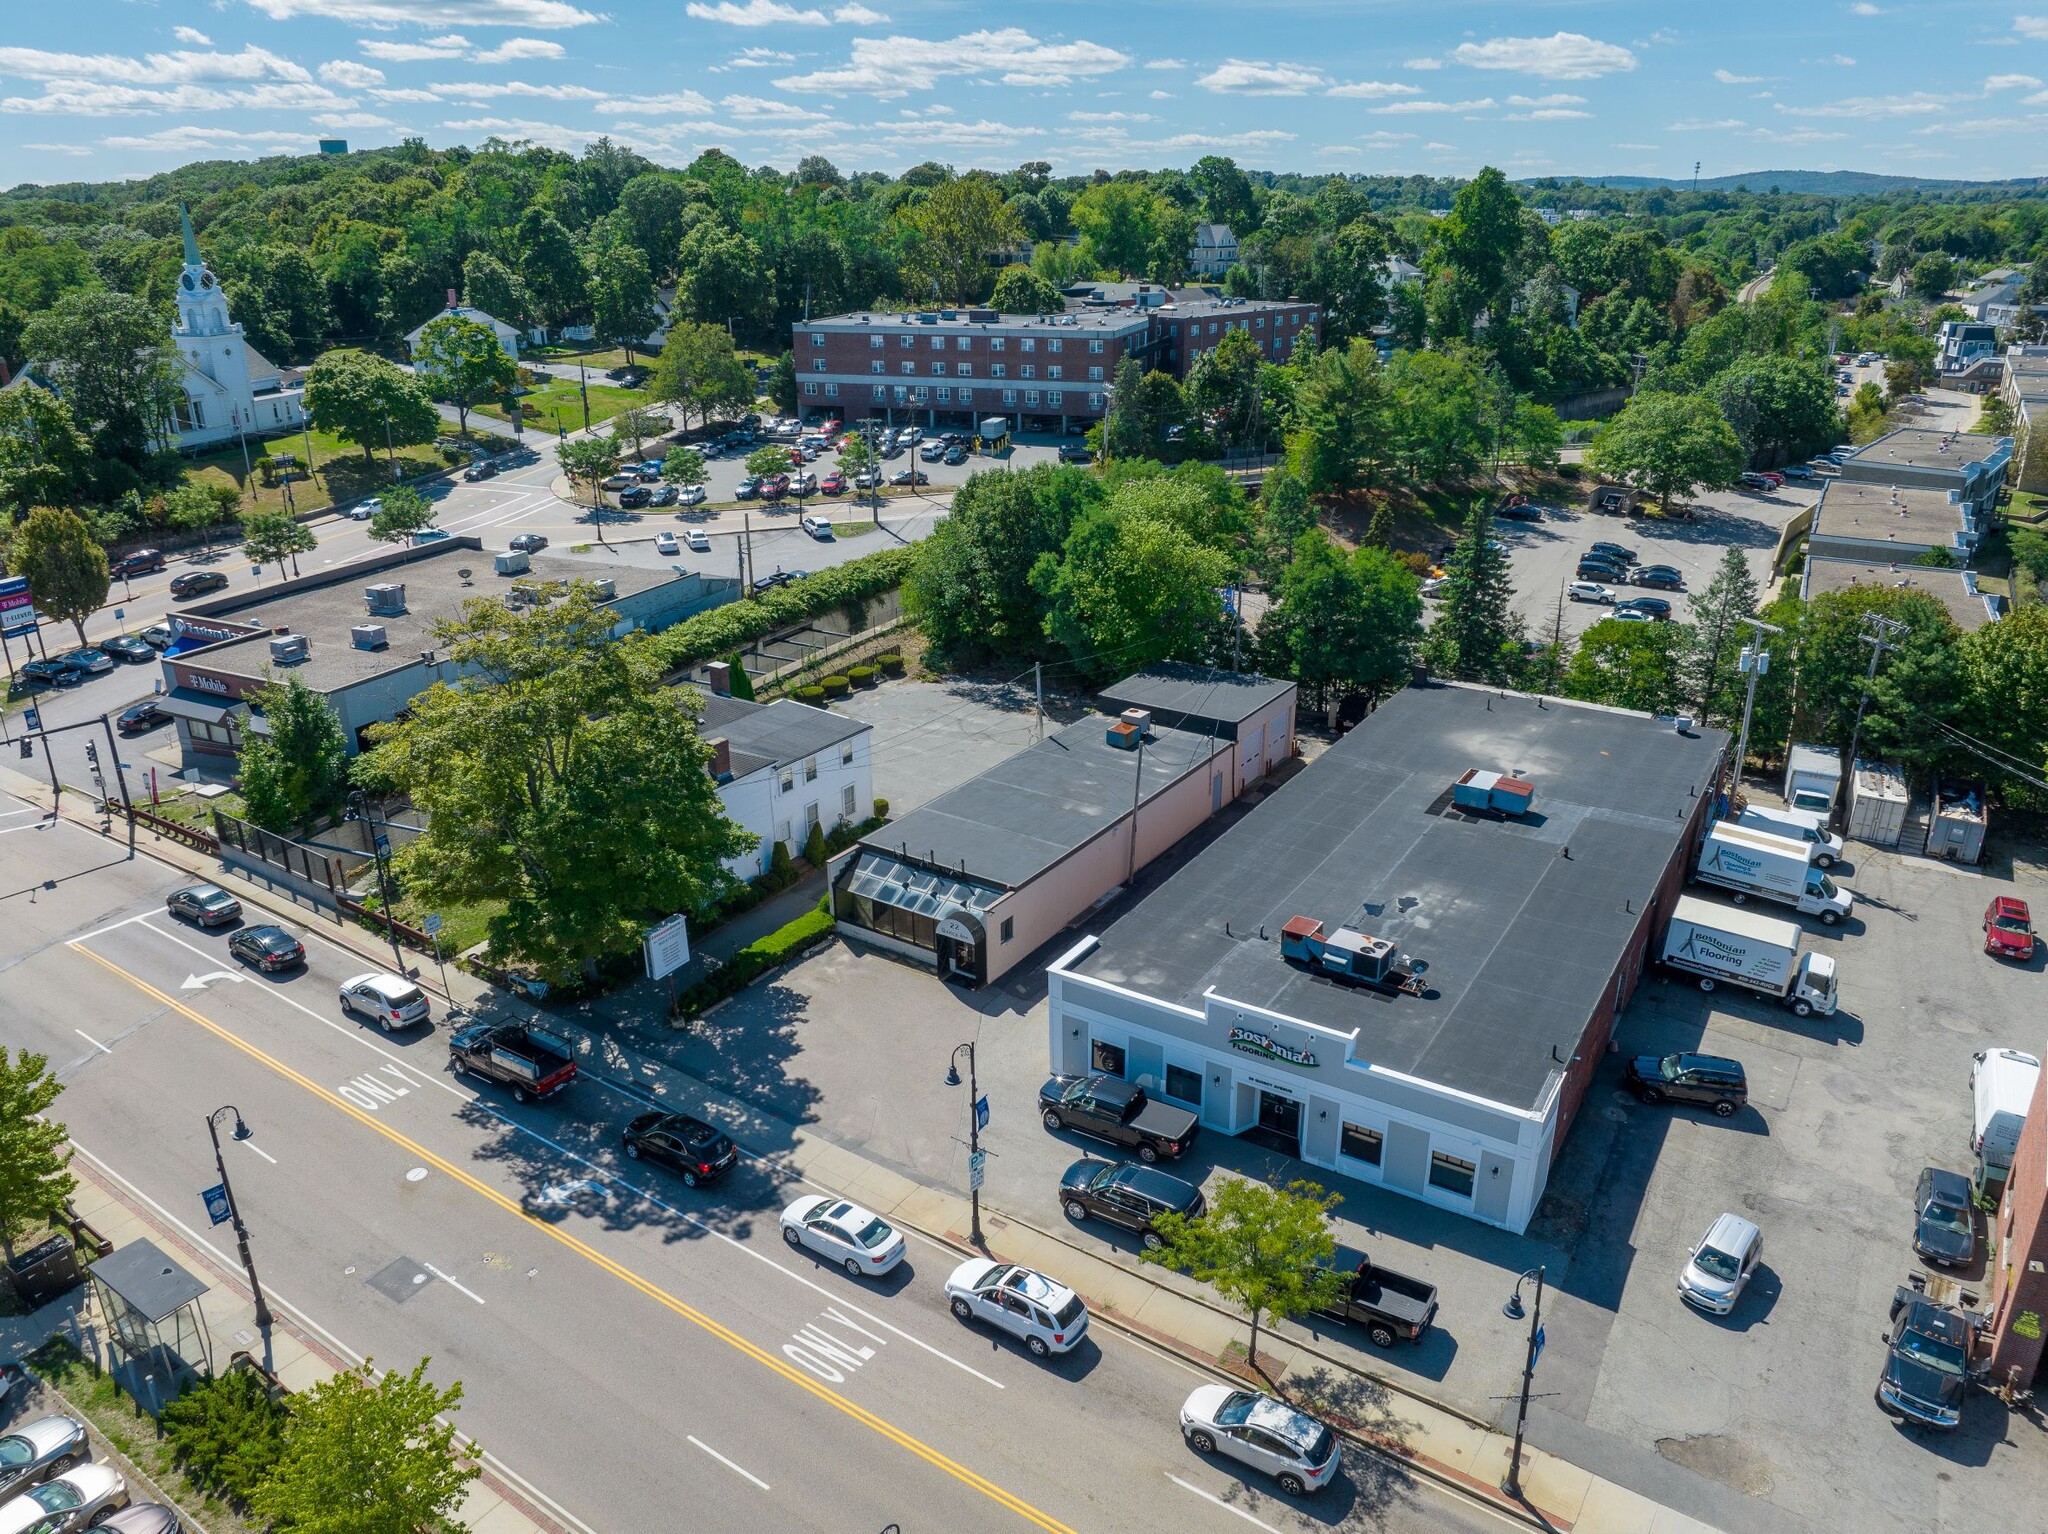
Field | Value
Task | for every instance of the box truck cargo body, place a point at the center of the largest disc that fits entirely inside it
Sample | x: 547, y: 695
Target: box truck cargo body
x: 1812, y: 774
x: 1718, y: 945
x: 1822, y: 846
x: 2002, y: 1090
x: 1878, y: 799
x: 1756, y: 864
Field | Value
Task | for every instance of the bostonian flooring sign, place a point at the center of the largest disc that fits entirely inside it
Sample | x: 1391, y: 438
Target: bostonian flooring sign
x: 1252, y: 1042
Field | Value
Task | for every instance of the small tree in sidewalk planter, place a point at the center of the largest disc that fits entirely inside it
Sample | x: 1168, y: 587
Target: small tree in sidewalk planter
x: 1268, y: 1249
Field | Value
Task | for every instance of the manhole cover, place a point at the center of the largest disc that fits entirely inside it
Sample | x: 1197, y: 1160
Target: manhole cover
x: 400, y: 1279
x: 417, y: 1174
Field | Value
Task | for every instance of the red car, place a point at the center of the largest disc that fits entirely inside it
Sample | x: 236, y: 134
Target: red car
x: 833, y: 483
x: 2008, y: 930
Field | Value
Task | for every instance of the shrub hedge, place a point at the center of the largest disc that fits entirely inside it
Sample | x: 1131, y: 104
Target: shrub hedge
x: 890, y: 662
x: 815, y: 696
x: 861, y: 676
x: 724, y: 629
x: 226, y: 1433
x: 753, y: 961
x: 835, y: 685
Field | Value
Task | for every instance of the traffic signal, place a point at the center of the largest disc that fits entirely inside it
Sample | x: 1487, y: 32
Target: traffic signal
x: 92, y: 755
x: 28, y: 750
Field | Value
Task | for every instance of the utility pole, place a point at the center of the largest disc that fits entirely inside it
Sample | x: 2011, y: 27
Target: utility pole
x: 747, y: 549
x: 583, y: 388
x: 1137, y: 783
x: 1878, y: 632
x: 1038, y: 692
x: 1754, y: 662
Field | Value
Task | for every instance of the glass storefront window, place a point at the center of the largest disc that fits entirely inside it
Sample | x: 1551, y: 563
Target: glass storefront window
x: 1451, y: 1174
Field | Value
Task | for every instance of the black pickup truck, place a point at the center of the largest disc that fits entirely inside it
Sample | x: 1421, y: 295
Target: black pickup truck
x: 533, y: 1063
x: 1389, y: 1305
x: 1927, y: 1364
x: 1112, y: 1109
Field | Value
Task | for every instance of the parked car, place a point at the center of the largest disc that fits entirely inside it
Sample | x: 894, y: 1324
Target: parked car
x: 665, y: 495
x: 141, y: 562
x: 774, y: 486
x: 748, y: 488
x: 390, y: 1001
x: 1613, y: 551
x: 803, y: 484
x: 868, y: 479
x: 196, y: 583
x: 1795, y: 471
x: 1603, y: 571
x: 37, y: 1450
x: 863, y: 1243
x: 1758, y: 482
x: 141, y: 718
x: 1713, y: 1082
x: 363, y: 510
x: 1944, y: 1224
x: 690, y: 495
x: 1075, y: 452
x: 777, y: 578
x: 1628, y: 615
x: 50, y: 671
x: 1775, y: 476
x: 1927, y: 1361
x: 1433, y: 586
x: 910, y: 477
x: 143, y: 1518
x: 127, y: 647
x: 206, y: 904
x: 1298, y: 1452
x: 687, y: 1146
x: 696, y: 539
x: 2008, y: 929
x: 78, y: 1499
x: 157, y: 637
x: 1110, y: 1108
x: 90, y: 661
x: 269, y: 947
x: 1119, y: 1193
x: 622, y: 480
x: 833, y: 483
x: 1520, y: 511
x: 1589, y: 591
x: 648, y: 473
x: 1044, y: 1314
x: 932, y: 451
x: 1389, y: 1305
x: 633, y: 497
x: 1649, y: 607
x: 534, y: 1063
x: 1662, y: 577
x: 1720, y: 1266
x: 954, y: 456
x: 528, y: 543
x: 665, y: 543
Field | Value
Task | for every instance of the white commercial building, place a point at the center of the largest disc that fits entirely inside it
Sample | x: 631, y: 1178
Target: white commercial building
x: 784, y: 767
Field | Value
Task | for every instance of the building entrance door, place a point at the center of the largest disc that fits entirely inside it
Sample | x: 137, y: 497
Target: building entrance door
x: 1279, y: 1124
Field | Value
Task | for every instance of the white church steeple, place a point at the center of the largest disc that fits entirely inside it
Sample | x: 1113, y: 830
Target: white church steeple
x: 202, y: 310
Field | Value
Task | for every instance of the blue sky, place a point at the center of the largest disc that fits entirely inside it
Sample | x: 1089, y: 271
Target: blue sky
x: 106, y: 88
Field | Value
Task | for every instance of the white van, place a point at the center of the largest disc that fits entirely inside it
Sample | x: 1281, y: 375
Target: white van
x: 2001, y: 1091
x: 1822, y: 846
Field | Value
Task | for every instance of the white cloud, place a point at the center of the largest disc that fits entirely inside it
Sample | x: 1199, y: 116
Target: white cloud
x: 108, y: 84
x: 1546, y: 115
x: 195, y: 140
x: 758, y: 13
x: 2010, y: 83
x: 1918, y: 104
x: 674, y: 103
x: 350, y: 75
x: 549, y: 135
x: 1983, y: 127
x: 1865, y: 8
x: 520, y: 48
x: 409, y: 94
x: 1561, y: 56
x: 895, y: 66
x: 1424, y: 64
x: 1111, y: 117
x: 181, y: 68
x: 1554, y: 99
x: 1646, y: 148
x: 1841, y: 60
x: 192, y: 35
x: 1252, y: 77
x: 759, y: 58
x: 1701, y: 125
x: 489, y: 90
x: 956, y: 135
x: 755, y: 107
x: 1372, y: 90
x: 1796, y: 136
x: 544, y: 15
x: 75, y: 149
x: 414, y: 53
x: 1338, y: 149
x: 2035, y: 27
x: 352, y: 120
x: 857, y: 16
x: 1381, y: 137
x: 1393, y: 107
x: 1167, y: 64
x: 1729, y: 77
x: 1162, y: 95
x: 2038, y: 99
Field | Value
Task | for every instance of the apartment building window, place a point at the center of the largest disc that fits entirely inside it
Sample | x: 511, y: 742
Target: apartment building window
x: 846, y: 753
x: 1095, y: 375
x: 964, y: 343
x: 1028, y: 344
x: 788, y: 780
x: 1030, y: 396
x: 1260, y: 322
x: 938, y: 343
x: 1361, y: 1144
x: 1009, y: 396
x: 817, y: 338
x: 846, y: 802
x: 875, y: 366
x: 946, y: 394
x: 1094, y: 402
x: 938, y: 370
x: 810, y: 388
x: 875, y: 342
x: 1451, y: 1173
x: 831, y: 391
x: 1095, y: 347
x: 817, y: 364
x: 997, y: 370
x: 996, y: 343
x: 902, y: 394
x: 908, y: 368
x: 1055, y: 345
x: 963, y: 370
x: 907, y: 342
x: 1056, y: 398
x: 881, y: 393
x: 1212, y: 327
x: 920, y: 394
x: 1027, y: 371
x: 1052, y: 372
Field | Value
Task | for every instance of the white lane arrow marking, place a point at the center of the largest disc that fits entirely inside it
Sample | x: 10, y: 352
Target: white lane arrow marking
x: 200, y: 982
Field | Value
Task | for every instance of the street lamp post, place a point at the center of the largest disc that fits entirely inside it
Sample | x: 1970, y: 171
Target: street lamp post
x: 973, y: 1130
x: 241, y: 1132
x: 359, y: 809
x: 1514, y: 1312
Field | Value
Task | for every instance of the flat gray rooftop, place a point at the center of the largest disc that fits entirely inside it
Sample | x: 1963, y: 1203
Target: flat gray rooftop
x: 1194, y: 692
x: 1922, y: 447
x: 1521, y: 922
x: 1876, y: 513
x: 1026, y: 813
x: 1948, y: 587
x: 434, y: 590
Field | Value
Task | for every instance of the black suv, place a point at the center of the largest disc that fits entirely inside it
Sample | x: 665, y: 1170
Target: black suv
x: 1927, y: 1361
x: 1944, y: 1229
x: 689, y: 1147
x: 196, y: 583
x: 1711, y: 1081
x: 1131, y: 1196
x: 1600, y: 570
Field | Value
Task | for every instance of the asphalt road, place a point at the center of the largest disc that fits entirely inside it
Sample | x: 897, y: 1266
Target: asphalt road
x: 627, y: 1346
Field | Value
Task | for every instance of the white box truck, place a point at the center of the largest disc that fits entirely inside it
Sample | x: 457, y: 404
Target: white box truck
x: 1812, y: 775
x: 1750, y: 863
x: 1822, y: 846
x: 1720, y: 946
x: 2001, y: 1090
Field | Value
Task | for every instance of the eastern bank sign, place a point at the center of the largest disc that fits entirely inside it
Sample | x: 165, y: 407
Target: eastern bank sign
x: 1266, y: 1047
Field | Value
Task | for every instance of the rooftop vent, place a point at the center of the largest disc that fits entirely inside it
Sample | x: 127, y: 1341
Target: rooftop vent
x: 386, y: 597
x: 1125, y: 736
x: 369, y: 636
x: 518, y: 562
x: 606, y: 588
x: 1139, y: 719
x: 289, y: 649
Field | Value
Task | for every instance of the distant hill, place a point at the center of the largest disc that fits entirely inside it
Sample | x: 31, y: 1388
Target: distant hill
x: 1819, y: 183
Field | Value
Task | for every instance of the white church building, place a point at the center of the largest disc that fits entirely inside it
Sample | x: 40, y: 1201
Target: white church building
x: 231, y: 389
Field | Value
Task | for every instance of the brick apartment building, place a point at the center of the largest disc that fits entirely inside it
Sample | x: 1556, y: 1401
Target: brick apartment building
x: 2019, y: 1274
x: 1040, y: 372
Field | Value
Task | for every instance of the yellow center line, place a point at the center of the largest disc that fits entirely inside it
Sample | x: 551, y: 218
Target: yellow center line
x: 590, y: 1254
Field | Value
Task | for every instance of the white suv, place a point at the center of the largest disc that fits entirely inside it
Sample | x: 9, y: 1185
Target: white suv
x: 1047, y: 1315
x: 389, y: 1001
x: 1299, y: 1452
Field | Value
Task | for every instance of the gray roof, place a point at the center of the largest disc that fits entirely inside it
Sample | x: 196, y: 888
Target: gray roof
x: 146, y: 1279
x: 1520, y: 938
x: 932, y: 322
x: 781, y: 732
x: 1922, y: 447
x: 1954, y: 589
x: 1878, y: 513
x: 1028, y: 812
x: 1194, y: 696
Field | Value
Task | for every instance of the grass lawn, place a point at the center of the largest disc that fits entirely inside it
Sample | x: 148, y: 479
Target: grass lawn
x: 339, y: 472
x: 560, y: 400
x: 462, y: 927
x: 191, y: 811
x: 611, y: 357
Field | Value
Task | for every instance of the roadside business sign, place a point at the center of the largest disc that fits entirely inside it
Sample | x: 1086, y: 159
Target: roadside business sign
x: 17, y: 606
x: 667, y: 947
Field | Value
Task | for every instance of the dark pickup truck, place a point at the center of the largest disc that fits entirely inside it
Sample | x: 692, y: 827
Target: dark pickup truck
x: 533, y: 1063
x: 1927, y: 1359
x: 1112, y: 1109
x: 1389, y: 1305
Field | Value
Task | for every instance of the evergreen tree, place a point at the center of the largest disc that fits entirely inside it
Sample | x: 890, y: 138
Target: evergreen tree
x: 1710, y: 681
x: 741, y: 685
x: 1477, y: 636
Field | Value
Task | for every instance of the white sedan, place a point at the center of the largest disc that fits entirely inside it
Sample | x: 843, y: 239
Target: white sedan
x: 362, y: 511
x: 665, y: 543
x: 699, y: 544
x: 859, y: 1240
x: 1629, y: 615
x: 1045, y: 1314
x: 1434, y: 586
x: 1589, y: 591
x: 690, y: 495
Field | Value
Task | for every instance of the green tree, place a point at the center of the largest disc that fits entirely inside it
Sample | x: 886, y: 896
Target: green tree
x: 1780, y: 407
x: 1932, y: 276
x: 299, y: 770
x: 1020, y: 290
x: 638, y: 426
x: 110, y: 356
x: 1227, y: 195
x: 1341, y: 417
x: 720, y: 277
x: 952, y: 231
x: 697, y: 371
x: 365, y: 1453
x: 1474, y: 251
x: 1345, y: 622
x: 971, y: 586
x: 683, y: 466
x: 44, y: 457
x: 401, y: 514
x: 365, y: 400
x: 621, y: 290
x: 769, y: 458
x: 1125, y: 228
x: 652, y: 205
x: 1712, y: 683
x: 271, y: 535
x: 1439, y: 417
x: 1476, y: 636
x: 492, y: 286
x: 741, y: 685
x: 559, y: 780
x: 1669, y: 445
x: 1537, y: 434
x: 1223, y: 390
x: 65, y: 566
x: 1628, y: 665
x: 1285, y: 513
x: 782, y: 391
x: 2006, y: 669
x: 462, y: 362
x: 190, y: 508
x: 550, y: 270
x: 589, y: 462
x: 1266, y: 1249
x: 1348, y: 276
x: 35, y: 1151
x: 226, y: 1432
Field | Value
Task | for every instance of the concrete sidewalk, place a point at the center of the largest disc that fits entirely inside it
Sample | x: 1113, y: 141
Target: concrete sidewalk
x: 1431, y: 1438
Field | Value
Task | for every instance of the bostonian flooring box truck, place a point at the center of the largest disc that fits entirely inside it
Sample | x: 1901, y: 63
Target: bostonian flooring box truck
x: 1719, y: 945
x: 1749, y: 863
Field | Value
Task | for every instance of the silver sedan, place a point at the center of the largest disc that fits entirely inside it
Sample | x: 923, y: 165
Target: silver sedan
x: 78, y: 1499
x: 37, y: 1450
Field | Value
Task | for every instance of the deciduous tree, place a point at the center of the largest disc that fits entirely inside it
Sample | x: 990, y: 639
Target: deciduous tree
x: 1344, y: 622
x: 401, y: 514
x: 620, y: 286
x: 683, y: 466
x: 954, y: 228
x: 363, y: 399
x: 44, y: 457
x: 462, y: 362
x: 35, y: 1153
x: 697, y: 371
x: 271, y: 535
x: 1669, y: 446
x: 110, y: 356
x: 65, y: 566
x: 1628, y: 665
x: 1020, y: 290
x: 298, y: 771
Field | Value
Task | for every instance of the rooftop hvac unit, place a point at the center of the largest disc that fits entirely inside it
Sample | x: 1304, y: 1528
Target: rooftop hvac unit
x: 289, y: 649
x: 1139, y: 719
x: 386, y: 597
x: 1125, y: 736
x: 516, y: 563
x: 607, y: 588
x: 1479, y: 789
x: 369, y: 636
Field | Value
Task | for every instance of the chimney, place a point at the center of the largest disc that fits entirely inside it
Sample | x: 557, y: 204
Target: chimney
x: 718, y: 675
x: 451, y: 300
x: 721, y: 758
